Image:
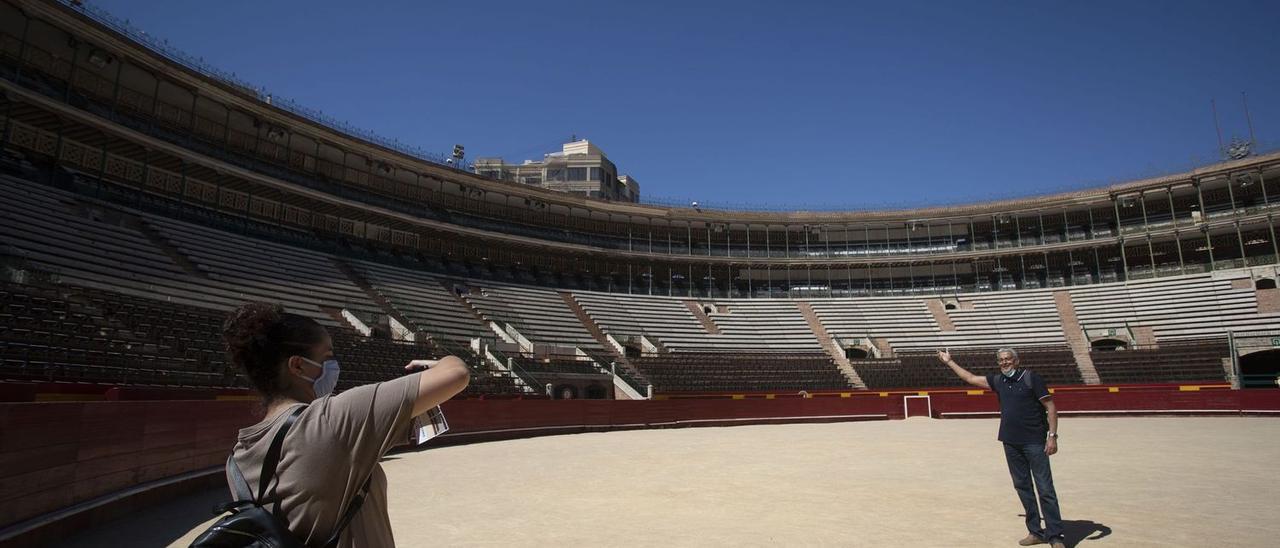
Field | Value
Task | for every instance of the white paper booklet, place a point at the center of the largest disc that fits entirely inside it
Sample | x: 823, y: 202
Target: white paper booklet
x: 430, y: 424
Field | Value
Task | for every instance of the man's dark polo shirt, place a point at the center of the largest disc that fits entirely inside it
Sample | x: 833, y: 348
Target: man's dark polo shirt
x: 1022, y: 418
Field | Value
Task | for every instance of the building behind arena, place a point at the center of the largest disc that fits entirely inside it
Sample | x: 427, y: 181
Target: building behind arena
x: 144, y: 195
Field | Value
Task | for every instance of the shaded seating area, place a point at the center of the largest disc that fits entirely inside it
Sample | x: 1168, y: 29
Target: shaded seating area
x: 303, y: 281
x: 64, y: 333
x: 366, y: 360
x: 557, y: 366
x: 74, y: 334
x: 741, y: 371
x: 1176, y: 361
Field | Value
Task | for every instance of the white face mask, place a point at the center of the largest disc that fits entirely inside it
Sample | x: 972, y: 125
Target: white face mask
x: 1010, y: 372
x: 328, y: 379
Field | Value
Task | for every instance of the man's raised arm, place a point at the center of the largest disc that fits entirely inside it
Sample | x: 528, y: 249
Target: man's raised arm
x: 977, y: 380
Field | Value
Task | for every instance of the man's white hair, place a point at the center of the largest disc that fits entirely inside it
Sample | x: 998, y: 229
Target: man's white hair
x: 1011, y: 352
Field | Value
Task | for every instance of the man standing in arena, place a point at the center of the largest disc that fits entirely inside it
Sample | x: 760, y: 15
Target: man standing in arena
x: 1029, y: 431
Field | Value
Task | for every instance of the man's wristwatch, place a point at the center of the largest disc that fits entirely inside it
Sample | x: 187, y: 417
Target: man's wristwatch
x: 1053, y: 435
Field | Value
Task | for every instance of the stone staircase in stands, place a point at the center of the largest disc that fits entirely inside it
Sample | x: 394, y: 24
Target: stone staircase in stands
x: 829, y: 344
x: 1075, y: 337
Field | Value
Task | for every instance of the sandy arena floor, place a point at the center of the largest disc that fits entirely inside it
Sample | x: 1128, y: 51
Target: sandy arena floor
x: 1122, y: 482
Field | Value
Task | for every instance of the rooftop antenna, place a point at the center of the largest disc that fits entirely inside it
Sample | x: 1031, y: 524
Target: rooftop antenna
x: 1247, y: 119
x: 1213, y: 104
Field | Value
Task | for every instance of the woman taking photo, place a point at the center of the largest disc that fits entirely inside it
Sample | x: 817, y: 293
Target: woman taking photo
x: 336, y: 441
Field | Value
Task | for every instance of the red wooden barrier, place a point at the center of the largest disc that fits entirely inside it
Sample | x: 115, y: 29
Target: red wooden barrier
x: 56, y: 454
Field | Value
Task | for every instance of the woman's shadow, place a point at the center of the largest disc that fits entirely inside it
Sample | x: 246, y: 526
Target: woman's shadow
x: 1075, y: 531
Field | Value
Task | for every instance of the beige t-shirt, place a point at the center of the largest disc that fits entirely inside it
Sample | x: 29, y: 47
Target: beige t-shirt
x: 327, y: 454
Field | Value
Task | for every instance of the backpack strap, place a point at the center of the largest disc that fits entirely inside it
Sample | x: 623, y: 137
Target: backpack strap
x: 240, y: 488
x: 243, y: 489
x: 350, y: 513
x: 270, y: 461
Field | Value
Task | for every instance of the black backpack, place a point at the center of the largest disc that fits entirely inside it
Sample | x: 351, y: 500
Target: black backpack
x: 251, y: 525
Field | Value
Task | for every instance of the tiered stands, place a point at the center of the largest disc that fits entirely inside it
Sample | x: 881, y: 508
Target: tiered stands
x: 1186, y: 307
x: 1016, y: 318
x: 422, y: 300
x: 893, y: 318
x: 921, y: 370
x: 668, y: 321
x: 1179, y: 361
x: 661, y: 319
x: 365, y: 360
x: 95, y: 246
x: 301, y: 280
x: 558, y: 366
x: 60, y: 333
x: 778, y: 324
x: 200, y: 272
x: 540, y: 314
x: 719, y: 372
x: 69, y: 333
x: 38, y: 226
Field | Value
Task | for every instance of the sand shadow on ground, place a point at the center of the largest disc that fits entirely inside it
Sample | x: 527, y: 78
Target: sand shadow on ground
x: 156, y: 525
x: 1078, y: 530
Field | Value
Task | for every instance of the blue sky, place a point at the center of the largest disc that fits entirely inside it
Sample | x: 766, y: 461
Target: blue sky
x: 772, y: 104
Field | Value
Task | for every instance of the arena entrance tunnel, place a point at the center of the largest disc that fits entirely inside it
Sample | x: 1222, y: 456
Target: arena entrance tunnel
x: 1109, y: 344
x: 1260, y: 369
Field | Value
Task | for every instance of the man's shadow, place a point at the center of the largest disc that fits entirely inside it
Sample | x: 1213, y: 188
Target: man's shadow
x: 1074, y: 531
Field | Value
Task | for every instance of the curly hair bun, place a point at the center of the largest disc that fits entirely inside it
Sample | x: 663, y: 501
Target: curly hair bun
x: 259, y: 336
x: 248, y: 334
x: 250, y: 324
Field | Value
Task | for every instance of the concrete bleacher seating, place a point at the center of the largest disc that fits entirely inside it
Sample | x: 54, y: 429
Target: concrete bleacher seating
x: 299, y: 279
x: 722, y: 372
x: 100, y: 246
x: 759, y: 326
x: 892, y: 318
x: 661, y: 319
x: 1014, y: 318
x: 1185, y: 307
x: 540, y: 314
x: 775, y: 323
x: 39, y: 226
x: 422, y: 299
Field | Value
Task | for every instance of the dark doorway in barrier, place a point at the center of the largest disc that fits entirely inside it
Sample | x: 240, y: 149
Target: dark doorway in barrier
x: 1108, y: 344
x: 566, y: 392
x: 1260, y: 369
x: 856, y: 353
